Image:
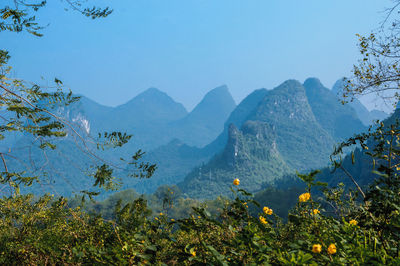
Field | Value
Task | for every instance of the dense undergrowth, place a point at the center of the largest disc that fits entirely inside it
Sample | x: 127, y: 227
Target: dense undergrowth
x: 340, y: 227
x: 47, y: 231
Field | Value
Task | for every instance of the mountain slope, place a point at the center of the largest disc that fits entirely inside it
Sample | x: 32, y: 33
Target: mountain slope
x: 280, y: 134
x: 366, y: 117
x: 339, y: 120
x: 151, y: 105
x: 237, y: 117
x: 250, y: 155
x: 205, y: 122
x: 301, y: 140
x: 174, y: 161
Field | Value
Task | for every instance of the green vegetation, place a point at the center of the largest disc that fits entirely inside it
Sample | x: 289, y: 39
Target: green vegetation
x: 350, y: 230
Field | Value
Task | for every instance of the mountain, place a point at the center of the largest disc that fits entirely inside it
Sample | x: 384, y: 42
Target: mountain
x: 378, y: 115
x: 279, y: 133
x: 361, y: 168
x: 301, y: 140
x: 250, y: 154
x: 269, y: 135
x: 146, y: 116
x: 151, y: 105
x: 174, y: 161
x: 237, y: 117
x: 340, y: 121
x: 205, y: 122
x: 366, y: 117
x: 153, y: 118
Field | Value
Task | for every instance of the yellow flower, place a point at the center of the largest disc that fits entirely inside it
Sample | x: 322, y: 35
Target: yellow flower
x: 304, y: 197
x: 161, y: 214
x: 316, y: 211
x: 353, y: 222
x: 332, y: 249
x: 263, y: 220
x: 236, y: 182
x: 316, y: 248
x: 172, y: 220
x: 268, y: 211
x: 193, y: 253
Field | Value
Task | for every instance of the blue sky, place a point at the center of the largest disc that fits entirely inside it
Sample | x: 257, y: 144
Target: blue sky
x: 187, y: 47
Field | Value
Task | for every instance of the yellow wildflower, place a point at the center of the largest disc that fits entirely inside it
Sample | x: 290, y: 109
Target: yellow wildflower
x: 268, y: 211
x: 172, y: 220
x: 161, y: 214
x: 236, y: 182
x: 304, y: 197
x: 263, y: 220
x: 193, y: 253
x: 316, y: 211
x: 353, y: 222
x: 316, y: 248
x: 332, y: 249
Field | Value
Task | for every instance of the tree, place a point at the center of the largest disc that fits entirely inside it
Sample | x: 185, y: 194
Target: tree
x: 378, y: 71
x: 19, y: 15
x: 31, y: 109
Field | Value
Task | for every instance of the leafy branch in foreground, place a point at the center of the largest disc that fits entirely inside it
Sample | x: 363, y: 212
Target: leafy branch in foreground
x: 19, y: 15
x: 33, y: 111
x: 378, y: 70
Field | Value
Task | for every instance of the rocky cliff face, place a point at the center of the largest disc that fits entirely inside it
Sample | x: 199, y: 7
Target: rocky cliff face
x: 250, y: 154
x: 300, y: 139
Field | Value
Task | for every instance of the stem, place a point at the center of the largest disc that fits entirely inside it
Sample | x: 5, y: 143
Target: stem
x: 353, y: 180
x: 6, y: 169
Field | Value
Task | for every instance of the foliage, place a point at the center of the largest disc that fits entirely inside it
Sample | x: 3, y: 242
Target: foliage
x: 47, y: 230
x: 19, y: 15
x: 377, y: 72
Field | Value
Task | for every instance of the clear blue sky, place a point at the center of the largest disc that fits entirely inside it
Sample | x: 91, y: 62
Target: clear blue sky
x: 187, y: 47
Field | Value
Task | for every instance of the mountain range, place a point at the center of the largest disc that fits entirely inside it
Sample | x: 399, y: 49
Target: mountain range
x: 268, y: 136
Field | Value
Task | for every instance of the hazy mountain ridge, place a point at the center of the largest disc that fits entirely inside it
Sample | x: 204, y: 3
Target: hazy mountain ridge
x: 366, y: 117
x: 174, y: 160
x: 203, y: 124
x: 274, y: 132
x: 341, y: 121
x: 290, y: 118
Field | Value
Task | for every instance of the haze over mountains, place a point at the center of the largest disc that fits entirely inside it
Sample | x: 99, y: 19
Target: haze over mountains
x: 268, y: 136
x: 367, y: 117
